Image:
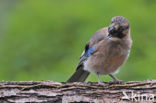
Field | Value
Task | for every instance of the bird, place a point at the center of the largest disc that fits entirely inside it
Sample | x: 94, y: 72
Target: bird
x: 105, y: 52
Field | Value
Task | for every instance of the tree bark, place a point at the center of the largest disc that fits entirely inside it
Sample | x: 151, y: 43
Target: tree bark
x: 55, y: 92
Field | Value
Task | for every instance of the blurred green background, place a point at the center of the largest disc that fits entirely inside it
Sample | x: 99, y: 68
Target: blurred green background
x: 43, y: 40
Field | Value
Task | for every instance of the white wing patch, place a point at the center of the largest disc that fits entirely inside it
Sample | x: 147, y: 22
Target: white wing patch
x: 82, y: 53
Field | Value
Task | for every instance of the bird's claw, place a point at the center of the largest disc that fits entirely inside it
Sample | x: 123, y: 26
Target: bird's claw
x: 101, y: 83
x: 117, y: 81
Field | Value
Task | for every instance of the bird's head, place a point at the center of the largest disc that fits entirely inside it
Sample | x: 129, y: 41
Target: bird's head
x: 119, y: 27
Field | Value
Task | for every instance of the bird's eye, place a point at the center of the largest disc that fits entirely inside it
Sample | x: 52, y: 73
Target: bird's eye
x: 121, y: 29
x: 126, y: 27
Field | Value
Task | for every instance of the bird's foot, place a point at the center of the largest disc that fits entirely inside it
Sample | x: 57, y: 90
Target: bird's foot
x: 117, y: 81
x: 101, y: 83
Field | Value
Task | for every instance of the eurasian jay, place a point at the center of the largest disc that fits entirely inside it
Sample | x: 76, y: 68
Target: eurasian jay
x: 105, y: 52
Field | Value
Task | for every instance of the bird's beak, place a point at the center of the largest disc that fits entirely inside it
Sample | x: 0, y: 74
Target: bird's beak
x: 109, y: 35
x: 110, y: 29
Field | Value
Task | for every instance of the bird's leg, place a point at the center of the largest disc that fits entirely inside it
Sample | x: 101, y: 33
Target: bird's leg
x: 115, y: 80
x: 99, y: 81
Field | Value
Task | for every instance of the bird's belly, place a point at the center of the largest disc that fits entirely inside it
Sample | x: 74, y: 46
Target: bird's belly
x: 104, y: 66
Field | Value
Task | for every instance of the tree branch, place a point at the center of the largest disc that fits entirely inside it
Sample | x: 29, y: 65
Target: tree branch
x: 55, y: 92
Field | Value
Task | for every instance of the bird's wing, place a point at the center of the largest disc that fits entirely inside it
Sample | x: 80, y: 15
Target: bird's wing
x: 91, y: 46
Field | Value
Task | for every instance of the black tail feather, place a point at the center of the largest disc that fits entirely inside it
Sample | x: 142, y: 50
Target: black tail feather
x: 79, y: 76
